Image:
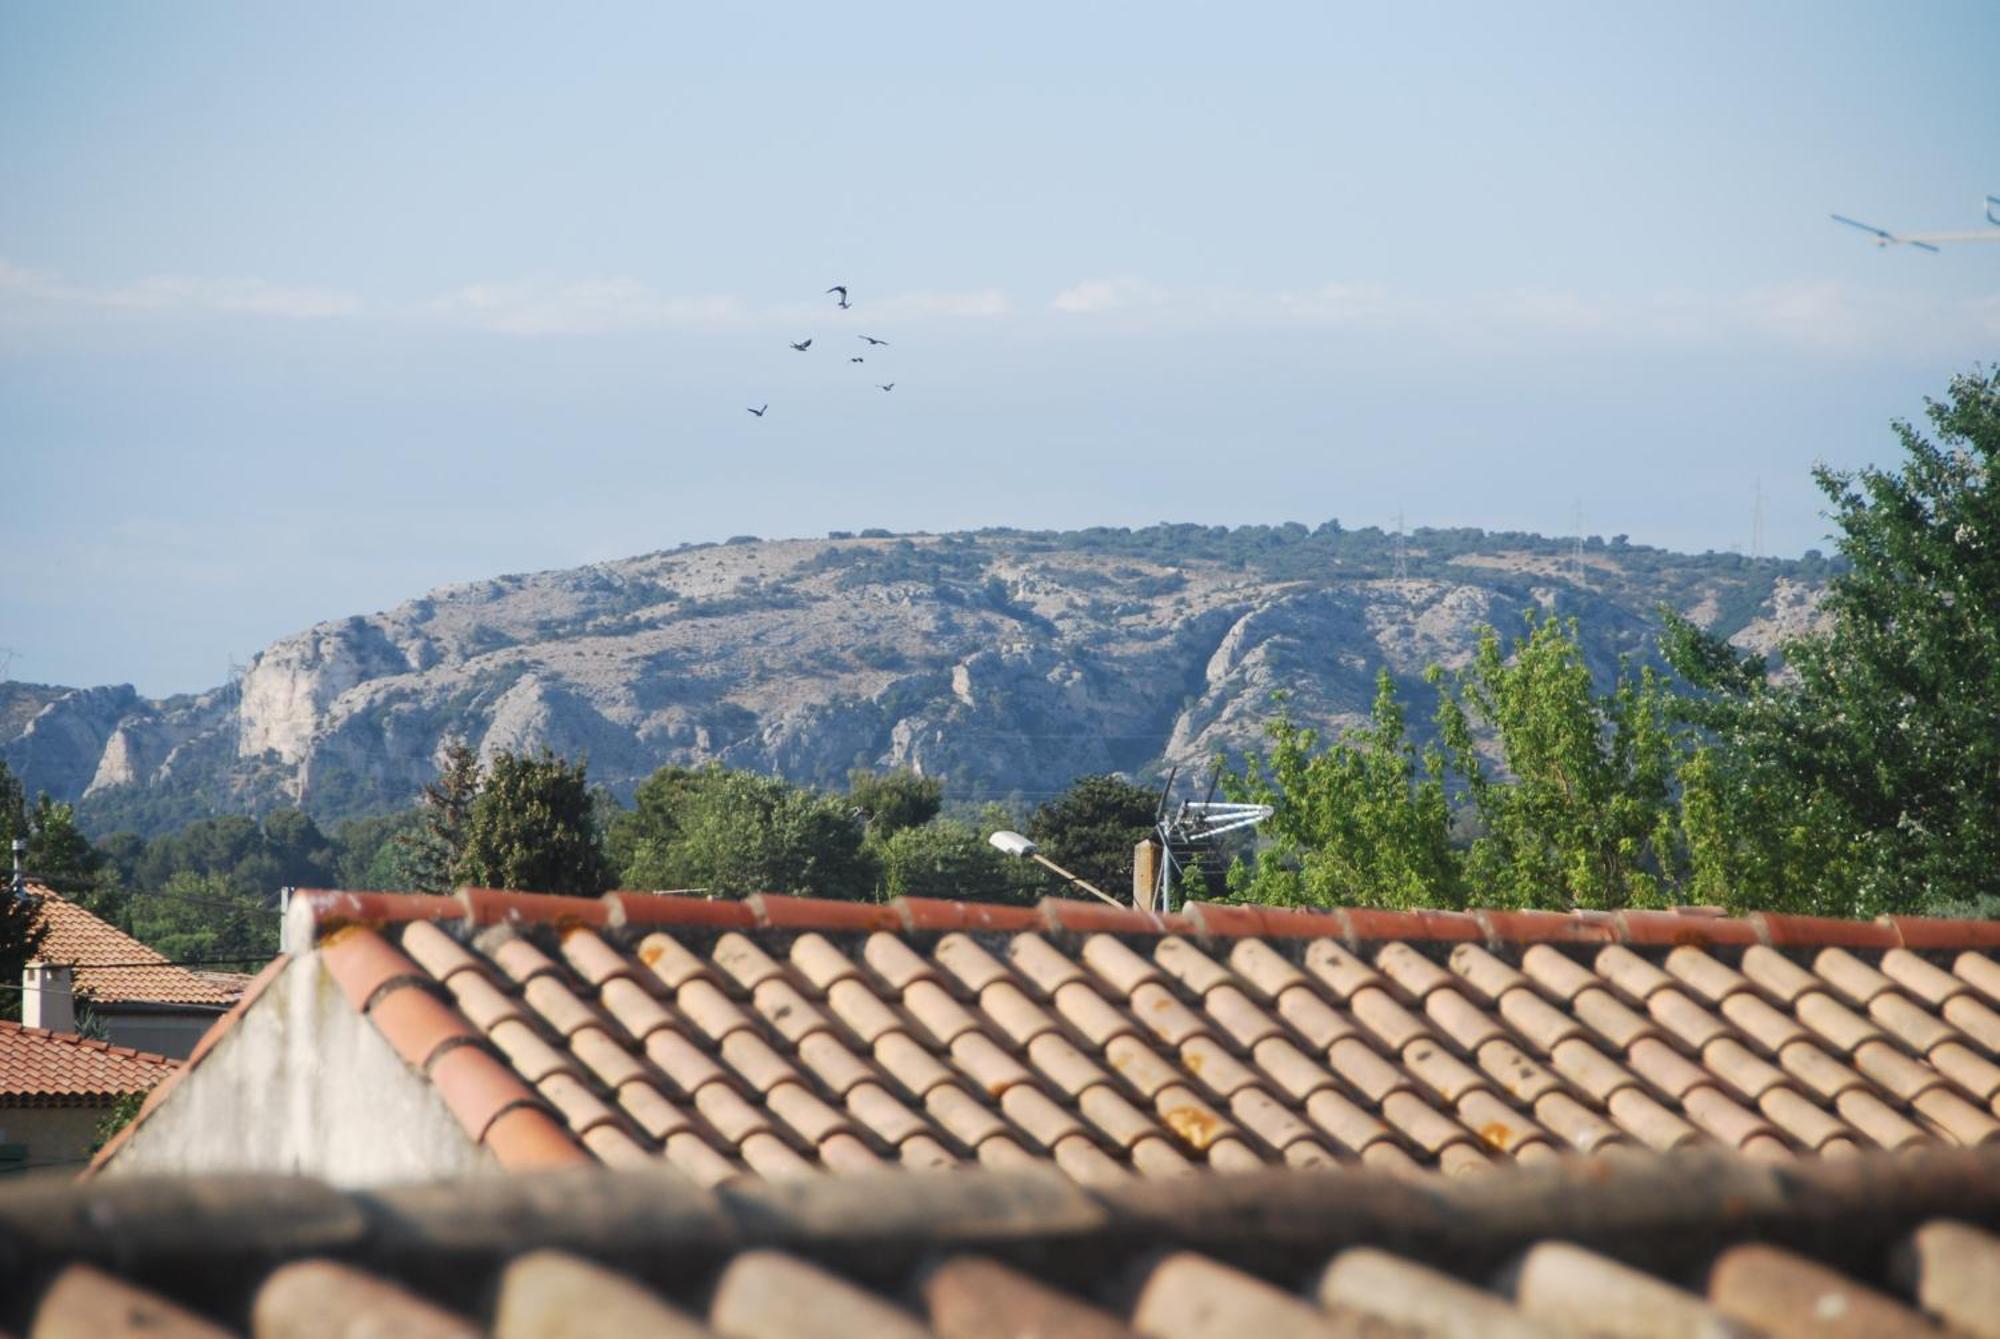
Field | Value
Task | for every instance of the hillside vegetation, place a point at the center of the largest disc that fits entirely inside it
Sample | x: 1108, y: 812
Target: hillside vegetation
x: 1004, y: 662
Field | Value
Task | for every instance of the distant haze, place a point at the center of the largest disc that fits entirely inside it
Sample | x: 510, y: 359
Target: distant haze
x: 303, y: 311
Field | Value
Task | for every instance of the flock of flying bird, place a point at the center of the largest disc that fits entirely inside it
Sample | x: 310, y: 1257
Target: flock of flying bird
x: 840, y: 292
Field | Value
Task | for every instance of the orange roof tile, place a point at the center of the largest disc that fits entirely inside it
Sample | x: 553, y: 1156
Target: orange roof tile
x: 42, y: 1068
x: 782, y: 1035
x: 1630, y: 1246
x: 130, y: 972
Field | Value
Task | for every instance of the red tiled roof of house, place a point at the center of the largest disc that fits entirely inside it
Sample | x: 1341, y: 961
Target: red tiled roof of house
x: 778, y: 1035
x: 1631, y: 1247
x: 130, y: 971
x: 39, y: 1068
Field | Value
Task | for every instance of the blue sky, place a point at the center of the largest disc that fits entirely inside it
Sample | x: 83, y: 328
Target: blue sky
x: 304, y: 311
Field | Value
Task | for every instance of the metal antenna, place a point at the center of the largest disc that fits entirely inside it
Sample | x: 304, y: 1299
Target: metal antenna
x: 1399, y: 551
x: 1192, y: 824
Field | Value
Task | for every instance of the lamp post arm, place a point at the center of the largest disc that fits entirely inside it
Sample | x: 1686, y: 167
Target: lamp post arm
x: 1068, y: 877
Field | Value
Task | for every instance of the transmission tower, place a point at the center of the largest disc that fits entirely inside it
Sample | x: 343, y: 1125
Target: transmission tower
x: 1576, y: 546
x: 1399, y: 551
x: 1757, y: 523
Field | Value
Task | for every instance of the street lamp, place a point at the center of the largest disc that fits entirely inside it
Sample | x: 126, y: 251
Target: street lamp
x: 1014, y: 844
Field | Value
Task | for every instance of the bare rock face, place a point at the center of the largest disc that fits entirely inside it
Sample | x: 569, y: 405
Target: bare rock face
x: 1006, y: 663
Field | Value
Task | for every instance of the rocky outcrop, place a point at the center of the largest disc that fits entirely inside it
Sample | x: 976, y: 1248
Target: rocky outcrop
x: 1007, y: 664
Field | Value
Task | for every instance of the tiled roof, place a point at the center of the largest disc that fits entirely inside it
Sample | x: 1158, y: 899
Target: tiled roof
x: 780, y: 1035
x: 133, y: 973
x: 1621, y: 1246
x: 51, y: 1069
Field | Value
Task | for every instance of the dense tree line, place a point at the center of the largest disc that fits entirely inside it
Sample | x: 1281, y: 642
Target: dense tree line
x: 209, y: 891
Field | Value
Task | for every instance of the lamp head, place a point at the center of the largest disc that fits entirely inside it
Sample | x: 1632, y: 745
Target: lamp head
x: 1013, y: 843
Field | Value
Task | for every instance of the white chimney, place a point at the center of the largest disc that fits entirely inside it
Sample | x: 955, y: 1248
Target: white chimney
x: 48, y: 997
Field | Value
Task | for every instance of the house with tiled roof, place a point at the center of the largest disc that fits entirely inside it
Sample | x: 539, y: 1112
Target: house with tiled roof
x: 139, y: 997
x: 407, y: 1037
x: 55, y: 1088
x: 780, y: 1116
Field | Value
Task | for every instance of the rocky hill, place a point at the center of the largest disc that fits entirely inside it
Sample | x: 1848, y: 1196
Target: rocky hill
x: 1007, y: 662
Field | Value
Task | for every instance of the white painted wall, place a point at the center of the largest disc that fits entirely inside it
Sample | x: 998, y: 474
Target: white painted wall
x: 302, y: 1083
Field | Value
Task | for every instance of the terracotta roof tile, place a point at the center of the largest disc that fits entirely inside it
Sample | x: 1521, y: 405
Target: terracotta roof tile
x: 1625, y: 1246
x: 1785, y: 1294
x: 555, y: 1295
x: 39, y: 1068
x: 818, y: 1035
x: 130, y: 971
x: 86, y: 1303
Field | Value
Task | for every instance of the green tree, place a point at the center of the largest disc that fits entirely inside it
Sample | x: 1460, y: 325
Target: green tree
x: 59, y: 855
x: 948, y: 857
x: 372, y: 853
x: 205, y: 918
x: 1877, y: 757
x: 734, y: 833
x: 534, y: 827
x: 1091, y: 828
x: 1583, y: 815
x: 432, y: 851
x: 1363, y: 822
x: 20, y: 930
x: 889, y: 802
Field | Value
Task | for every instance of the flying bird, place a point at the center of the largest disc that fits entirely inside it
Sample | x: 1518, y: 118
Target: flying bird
x: 857, y: 360
x: 804, y: 346
x: 891, y: 386
x: 872, y: 340
x: 758, y: 412
x: 842, y: 290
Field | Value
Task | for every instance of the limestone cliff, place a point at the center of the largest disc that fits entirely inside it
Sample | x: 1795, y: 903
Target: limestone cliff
x: 1006, y: 662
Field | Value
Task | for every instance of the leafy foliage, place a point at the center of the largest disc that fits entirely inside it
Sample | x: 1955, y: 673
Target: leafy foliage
x: 734, y: 833
x: 533, y: 826
x: 429, y: 854
x: 202, y: 917
x: 123, y: 1111
x: 1364, y: 821
x: 948, y: 857
x: 20, y: 935
x: 1091, y: 829
x: 1582, y: 815
x: 889, y: 802
x: 1869, y: 780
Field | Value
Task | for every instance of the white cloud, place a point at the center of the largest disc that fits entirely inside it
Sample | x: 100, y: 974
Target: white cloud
x: 582, y: 307
x: 1816, y: 315
x: 983, y: 304
x: 624, y: 306
x: 1097, y: 296
x: 181, y: 293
